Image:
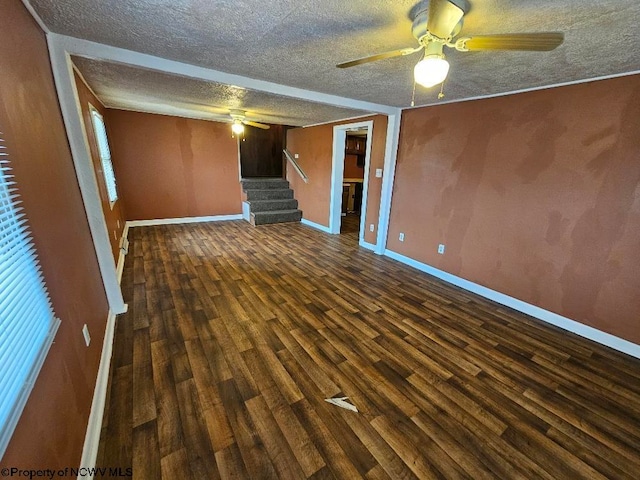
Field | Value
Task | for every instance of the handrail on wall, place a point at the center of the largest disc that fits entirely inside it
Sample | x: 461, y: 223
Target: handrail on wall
x: 297, y: 167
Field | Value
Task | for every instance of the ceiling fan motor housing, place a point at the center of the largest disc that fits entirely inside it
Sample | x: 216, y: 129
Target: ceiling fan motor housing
x: 419, y: 26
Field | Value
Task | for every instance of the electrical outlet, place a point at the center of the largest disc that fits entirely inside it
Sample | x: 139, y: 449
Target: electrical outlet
x: 401, y: 237
x: 297, y: 155
x: 378, y: 173
x: 372, y: 227
x: 441, y: 249
x: 85, y: 333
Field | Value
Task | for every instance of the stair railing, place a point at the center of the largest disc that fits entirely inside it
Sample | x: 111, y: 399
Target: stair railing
x: 295, y: 165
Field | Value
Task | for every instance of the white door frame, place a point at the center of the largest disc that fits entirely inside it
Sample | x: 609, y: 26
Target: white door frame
x: 337, y: 176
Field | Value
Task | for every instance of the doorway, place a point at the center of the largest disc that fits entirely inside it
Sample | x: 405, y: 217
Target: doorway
x: 353, y: 181
x: 350, y: 178
x: 261, y: 152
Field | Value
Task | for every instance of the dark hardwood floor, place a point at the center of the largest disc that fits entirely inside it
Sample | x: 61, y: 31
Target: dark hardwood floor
x: 235, y: 335
x: 350, y: 224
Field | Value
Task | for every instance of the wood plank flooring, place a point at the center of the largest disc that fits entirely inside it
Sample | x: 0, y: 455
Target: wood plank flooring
x: 235, y: 335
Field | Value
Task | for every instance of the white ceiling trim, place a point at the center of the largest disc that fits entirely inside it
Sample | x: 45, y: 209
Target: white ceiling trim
x: 525, y: 90
x: 344, y: 120
x: 35, y: 16
x: 85, y: 48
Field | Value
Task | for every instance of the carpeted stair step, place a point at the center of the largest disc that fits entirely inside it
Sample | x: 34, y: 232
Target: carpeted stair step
x: 270, y: 194
x: 275, y: 216
x: 268, y: 200
x: 264, y: 184
x: 273, y: 205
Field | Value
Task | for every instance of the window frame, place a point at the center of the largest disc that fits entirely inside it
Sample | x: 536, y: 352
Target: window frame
x: 106, y: 162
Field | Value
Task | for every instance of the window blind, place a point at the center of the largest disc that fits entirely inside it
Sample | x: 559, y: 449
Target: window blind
x: 27, y: 321
x: 105, y: 154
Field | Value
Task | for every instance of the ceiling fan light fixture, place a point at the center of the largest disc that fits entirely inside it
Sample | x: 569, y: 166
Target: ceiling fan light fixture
x: 237, y: 127
x: 431, y: 70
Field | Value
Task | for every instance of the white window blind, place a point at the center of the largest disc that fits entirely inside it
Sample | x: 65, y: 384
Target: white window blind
x: 105, y: 154
x: 27, y: 322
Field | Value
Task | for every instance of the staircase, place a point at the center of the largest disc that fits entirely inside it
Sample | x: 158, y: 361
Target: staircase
x: 268, y: 200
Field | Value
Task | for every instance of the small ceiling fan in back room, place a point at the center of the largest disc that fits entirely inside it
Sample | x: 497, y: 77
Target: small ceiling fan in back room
x: 238, y: 121
x: 437, y: 24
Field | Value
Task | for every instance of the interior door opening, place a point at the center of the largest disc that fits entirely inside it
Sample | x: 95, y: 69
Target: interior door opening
x: 350, y: 179
x: 353, y: 181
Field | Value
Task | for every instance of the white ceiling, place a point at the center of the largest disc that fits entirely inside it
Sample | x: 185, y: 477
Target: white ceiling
x: 299, y: 42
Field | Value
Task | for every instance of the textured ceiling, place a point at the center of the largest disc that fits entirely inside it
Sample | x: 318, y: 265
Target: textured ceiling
x: 130, y: 88
x: 299, y: 42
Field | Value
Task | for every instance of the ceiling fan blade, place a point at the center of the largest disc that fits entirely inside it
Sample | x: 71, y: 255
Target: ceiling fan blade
x: 443, y: 17
x: 380, y: 56
x: 540, y: 42
x: 256, y: 124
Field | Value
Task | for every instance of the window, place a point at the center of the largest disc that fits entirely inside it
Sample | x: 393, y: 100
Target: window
x: 105, y: 154
x: 27, y: 322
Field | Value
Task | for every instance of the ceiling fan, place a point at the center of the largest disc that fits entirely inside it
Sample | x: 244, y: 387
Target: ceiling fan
x: 437, y: 24
x: 238, y: 121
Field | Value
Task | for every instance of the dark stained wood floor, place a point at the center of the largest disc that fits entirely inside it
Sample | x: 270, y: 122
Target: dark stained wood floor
x: 350, y: 224
x: 235, y: 335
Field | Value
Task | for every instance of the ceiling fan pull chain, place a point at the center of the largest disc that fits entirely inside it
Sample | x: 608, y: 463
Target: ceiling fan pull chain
x: 413, y: 95
x: 441, y: 94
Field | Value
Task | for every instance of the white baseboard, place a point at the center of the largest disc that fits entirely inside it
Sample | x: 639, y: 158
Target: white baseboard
x: 317, y: 226
x: 367, y: 245
x: 94, y: 427
x: 174, y: 221
x: 578, y: 328
x: 246, y: 211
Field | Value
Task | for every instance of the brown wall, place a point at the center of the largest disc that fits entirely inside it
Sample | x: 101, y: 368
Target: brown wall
x: 535, y: 195
x: 50, y: 433
x: 315, y: 146
x: 113, y: 215
x: 171, y: 167
x: 351, y: 168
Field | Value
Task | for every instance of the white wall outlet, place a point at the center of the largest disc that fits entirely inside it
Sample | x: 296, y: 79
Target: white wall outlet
x: 85, y: 333
x: 441, y: 249
x: 297, y: 155
x: 401, y: 237
x: 378, y: 173
x: 372, y: 227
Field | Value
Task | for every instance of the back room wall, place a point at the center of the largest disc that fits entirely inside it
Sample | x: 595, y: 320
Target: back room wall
x: 173, y: 167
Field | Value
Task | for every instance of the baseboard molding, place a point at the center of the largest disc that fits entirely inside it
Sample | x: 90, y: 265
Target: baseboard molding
x: 94, y: 427
x: 317, y: 226
x: 367, y: 245
x: 565, y: 323
x: 175, y: 221
x: 246, y: 211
